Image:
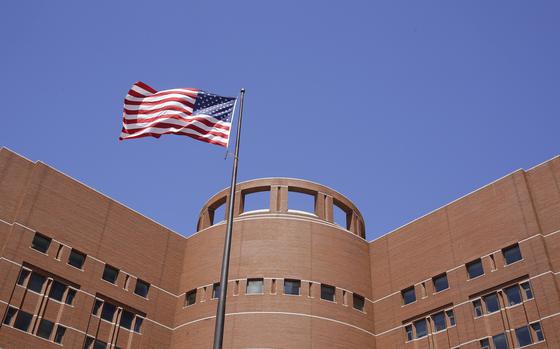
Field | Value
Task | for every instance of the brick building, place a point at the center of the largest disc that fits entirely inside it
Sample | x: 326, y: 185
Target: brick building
x: 80, y: 270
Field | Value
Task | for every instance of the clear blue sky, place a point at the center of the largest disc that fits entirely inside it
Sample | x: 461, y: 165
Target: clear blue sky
x: 401, y: 106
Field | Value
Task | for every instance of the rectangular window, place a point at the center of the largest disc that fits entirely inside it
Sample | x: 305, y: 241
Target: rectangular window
x: 500, y: 341
x: 491, y: 302
x: 259, y: 200
x: 23, y: 275
x: 190, y: 297
x: 358, y: 302
x: 477, y: 306
x: 537, y: 331
x: 142, y: 288
x: 421, y: 328
x: 527, y: 290
x: 110, y: 274
x: 70, y: 295
x: 138, y: 324
x: 254, y: 286
x: 216, y: 290
x: 440, y: 282
x: 523, y: 336
x: 57, y: 290
x: 439, y: 321
x: 451, y: 317
x: 96, y: 306
x: 292, y: 286
x: 126, y: 319
x: 513, y: 295
x: 301, y: 201
x: 512, y: 254
x: 484, y: 343
x: 408, y: 295
x: 99, y: 344
x: 76, y: 259
x: 36, y: 282
x: 108, y: 311
x: 45, y: 329
x: 41, y: 243
x: 327, y: 292
x: 409, y: 334
x: 23, y: 319
x: 341, y: 214
x: 10, y: 315
x: 475, y: 269
x: 59, y: 335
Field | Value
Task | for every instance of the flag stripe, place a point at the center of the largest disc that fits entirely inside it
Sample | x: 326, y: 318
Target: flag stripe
x: 136, y: 97
x: 198, y: 119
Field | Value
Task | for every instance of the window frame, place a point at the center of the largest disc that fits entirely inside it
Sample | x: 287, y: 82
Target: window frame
x: 405, y: 291
x: 83, y: 256
x: 471, y: 264
x: 140, y: 283
x: 439, y: 277
x: 329, y: 288
x: 41, y: 236
x: 293, y: 282
x: 252, y: 280
x: 187, y: 294
x: 506, y: 252
x: 112, y: 269
x: 361, y: 299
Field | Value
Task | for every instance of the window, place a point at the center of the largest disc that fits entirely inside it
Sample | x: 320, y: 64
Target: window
x: 70, y: 295
x: 254, y: 286
x: 76, y: 259
x: 216, y: 290
x: 99, y: 344
x: 110, y: 274
x: 523, y: 336
x: 300, y: 200
x: 341, y: 215
x: 358, y: 302
x: 258, y: 200
x: 57, y: 290
x: 36, y: 282
x: 537, y: 331
x: 138, y: 324
x: 409, y: 334
x: 327, y: 292
x: 23, y: 319
x: 451, y: 317
x: 440, y: 282
x: 512, y: 254
x: 96, y: 306
x: 408, y: 295
x: 292, y: 287
x: 526, y: 287
x: 477, y: 305
x: 45, y: 329
x: 60, y: 331
x: 89, y: 342
x: 439, y: 321
x: 421, y: 329
x: 190, y: 297
x: 10, y: 315
x: 500, y: 341
x: 41, y: 243
x: 126, y: 319
x: 513, y: 295
x: 484, y: 343
x: 22, y: 278
x: 491, y: 302
x: 108, y: 311
x: 142, y: 288
x: 474, y: 269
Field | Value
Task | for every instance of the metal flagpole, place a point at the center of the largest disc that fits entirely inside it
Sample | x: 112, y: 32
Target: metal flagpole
x: 220, y: 313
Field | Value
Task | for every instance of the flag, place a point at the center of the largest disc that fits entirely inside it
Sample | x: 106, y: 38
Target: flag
x: 182, y: 111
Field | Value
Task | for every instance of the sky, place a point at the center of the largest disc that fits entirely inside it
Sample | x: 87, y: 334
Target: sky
x: 402, y: 106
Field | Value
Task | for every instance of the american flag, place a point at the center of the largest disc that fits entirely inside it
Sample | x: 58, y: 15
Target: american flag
x: 182, y: 111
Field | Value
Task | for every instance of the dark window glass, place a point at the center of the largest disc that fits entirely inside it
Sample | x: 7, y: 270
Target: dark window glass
x: 440, y: 282
x: 70, y: 296
x: 23, y: 274
x: 41, y: 243
x: 477, y: 305
x: 523, y: 336
x: 527, y: 290
x: 358, y: 302
x: 484, y: 343
x: 45, y: 329
x: 96, y: 306
x: 512, y: 254
x: 76, y: 259
x: 23, y: 320
x: 57, y: 290
x: 538, y: 332
x: 36, y: 282
x: 60, y: 331
x: 513, y: 295
x: 451, y: 317
x: 110, y: 274
x: 475, y: 269
x: 491, y: 302
x: 409, y: 334
x: 254, y: 286
x: 142, y: 288
x: 439, y: 321
x: 292, y: 286
x: 327, y: 292
x: 500, y: 341
x: 216, y: 290
x: 126, y: 319
x: 420, y: 327
x: 89, y: 342
x: 99, y: 344
x: 138, y: 324
x: 108, y: 311
x: 408, y: 295
x: 191, y: 297
x: 10, y: 315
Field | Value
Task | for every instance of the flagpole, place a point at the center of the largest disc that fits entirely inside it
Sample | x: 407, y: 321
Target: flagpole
x: 220, y: 312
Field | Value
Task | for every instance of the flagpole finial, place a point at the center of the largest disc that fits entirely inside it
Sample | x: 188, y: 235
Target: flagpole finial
x: 242, y: 90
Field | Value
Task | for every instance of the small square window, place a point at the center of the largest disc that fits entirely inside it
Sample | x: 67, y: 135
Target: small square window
x: 190, y: 297
x: 108, y: 311
x: 59, y: 335
x: 450, y: 316
x: 70, y: 295
x: 523, y: 336
x: 76, y: 259
x: 57, y: 290
x: 477, y: 306
x: 36, y: 282
x: 484, y: 343
x: 41, y: 243
x: 254, y: 286
x: 126, y: 319
x: 537, y: 331
x: 492, y: 303
x: 327, y: 292
x: 421, y: 328
x: 110, y: 274
x: 440, y: 282
x: 408, y: 295
x: 292, y: 286
x: 409, y: 334
x: 475, y: 269
x: 23, y: 319
x: 500, y: 341
x: 138, y: 324
x: 439, y: 321
x: 23, y: 275
x: 527, y: 290
x: 512, y: 254
x: 358, y: 302
x: 142, y: 288
x: 216, y: 290
x: 513, y: 295
x: 45, y: 329
x: 10, y: 315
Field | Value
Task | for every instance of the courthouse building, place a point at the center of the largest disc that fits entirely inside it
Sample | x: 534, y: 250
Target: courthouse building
x: 80, y: 270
